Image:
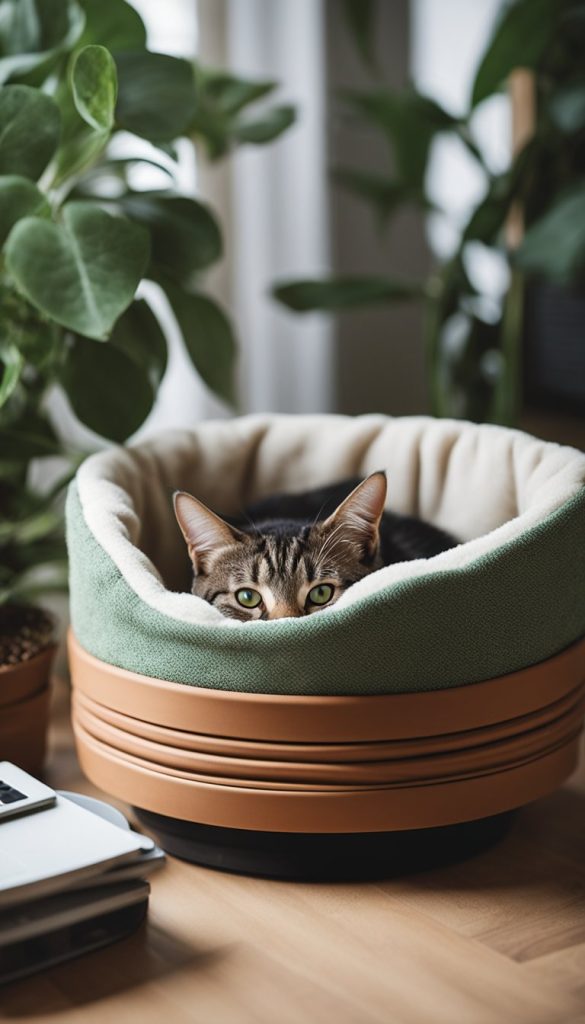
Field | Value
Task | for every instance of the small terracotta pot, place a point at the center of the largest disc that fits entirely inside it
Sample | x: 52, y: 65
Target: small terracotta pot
x: 24, y: 711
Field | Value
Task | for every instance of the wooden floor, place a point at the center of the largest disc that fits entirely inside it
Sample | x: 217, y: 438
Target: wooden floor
x: 500, y: 939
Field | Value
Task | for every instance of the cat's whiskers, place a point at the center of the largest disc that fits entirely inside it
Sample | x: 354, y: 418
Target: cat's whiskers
x: 331, y: 543
x: 318, y: 516
x: 327, y: 543
x: 251, y: 523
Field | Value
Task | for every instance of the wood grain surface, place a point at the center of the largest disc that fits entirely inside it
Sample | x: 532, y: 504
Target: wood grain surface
x: 497, y: 940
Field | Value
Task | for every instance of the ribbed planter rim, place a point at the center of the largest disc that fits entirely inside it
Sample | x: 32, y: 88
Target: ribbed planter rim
x: 506, y: 741
x: 272, y: 717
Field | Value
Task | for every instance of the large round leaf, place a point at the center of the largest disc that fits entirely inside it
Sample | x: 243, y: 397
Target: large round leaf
x: 30, y: 126
x: 34, y: 34
x: 185, y: 236
x: 208, y: 338
x: 115, y: 24
x: 83, y: 272
x: 94, y: 85
x: 139, y: 334
x: 19, y: 198
x: 78, y: 152
x: 156, y: 95
x: 108, y: 391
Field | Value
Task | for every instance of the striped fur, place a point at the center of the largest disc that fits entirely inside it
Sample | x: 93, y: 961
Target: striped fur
x: 287, y: 545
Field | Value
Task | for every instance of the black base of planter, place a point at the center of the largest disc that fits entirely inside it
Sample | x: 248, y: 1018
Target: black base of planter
x: 324, y: 857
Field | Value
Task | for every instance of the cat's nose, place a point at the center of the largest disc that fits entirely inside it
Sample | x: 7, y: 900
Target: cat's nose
x: 284, y: 611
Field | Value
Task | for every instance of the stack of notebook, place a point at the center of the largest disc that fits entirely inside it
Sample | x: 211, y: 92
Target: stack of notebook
x: 70, y: 880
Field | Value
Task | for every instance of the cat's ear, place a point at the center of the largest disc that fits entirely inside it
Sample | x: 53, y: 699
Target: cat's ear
x: 361, y: 511
x: 204, y: 532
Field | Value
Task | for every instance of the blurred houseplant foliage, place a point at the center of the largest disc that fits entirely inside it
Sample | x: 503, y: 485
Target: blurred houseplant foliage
x: 474, y: 359
x: 77, y: 239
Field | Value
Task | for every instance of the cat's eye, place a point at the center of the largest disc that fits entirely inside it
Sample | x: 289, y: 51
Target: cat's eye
x: 248, y: 598
x: 321, y: 594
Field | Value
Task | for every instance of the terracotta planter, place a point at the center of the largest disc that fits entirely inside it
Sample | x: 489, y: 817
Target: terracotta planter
x: 24, y: 711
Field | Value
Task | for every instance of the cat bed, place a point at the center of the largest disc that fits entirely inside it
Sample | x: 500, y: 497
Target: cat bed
x: 434, y: 692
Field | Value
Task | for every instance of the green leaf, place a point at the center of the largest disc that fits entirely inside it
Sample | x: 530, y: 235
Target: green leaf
x: 266, y: 128
x: 382, y: 192
x: 30, y: 125
x: 220, y: 100
x: 30, y: 528
x: 470, y: 368
x: 113, y: 24
x: 410, y: 122
x: 184, y: 234
x: 519, y: 41
x: 208, y: 338
x: 87, y: 108
x: 449, y: 287
x: 83, y: 272
x: 555, y: 244
x: 225, y: 94
x: 169, y: 149
x: 118, y: 167
x: 360, y: 16
x: 486, y: 221
x: 138, y: 334
x: 39, y: 552
x: 156, y: 95
x: 566, y: 107
x: 22, y: 442
x: 12, y: 363
x: 34, y: 34
x: 19, y: 197
x: 95, y: 86
x: 488, y: 218
x: 34, y: 584
x: 108, y: 391
x: 339, y: 293
x: 78, y: 152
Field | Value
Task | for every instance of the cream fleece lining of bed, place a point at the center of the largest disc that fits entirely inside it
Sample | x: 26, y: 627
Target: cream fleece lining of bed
x: 485, y: 484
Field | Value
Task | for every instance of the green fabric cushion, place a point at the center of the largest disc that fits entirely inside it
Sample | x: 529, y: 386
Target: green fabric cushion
x: 519, y: 604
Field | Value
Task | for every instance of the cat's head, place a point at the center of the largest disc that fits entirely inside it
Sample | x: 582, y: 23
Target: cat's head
x: 282, y: 570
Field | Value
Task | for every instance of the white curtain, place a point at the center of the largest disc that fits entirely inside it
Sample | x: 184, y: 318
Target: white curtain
x: 272, y: 201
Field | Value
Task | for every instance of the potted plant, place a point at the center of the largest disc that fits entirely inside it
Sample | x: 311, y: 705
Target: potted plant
x: 475, y: 360
x: 76, y: 240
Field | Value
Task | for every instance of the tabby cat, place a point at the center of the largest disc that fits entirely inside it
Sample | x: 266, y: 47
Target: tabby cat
x: 294, y: 554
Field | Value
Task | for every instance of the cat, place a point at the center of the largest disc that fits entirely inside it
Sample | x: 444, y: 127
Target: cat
x: 295, y: 554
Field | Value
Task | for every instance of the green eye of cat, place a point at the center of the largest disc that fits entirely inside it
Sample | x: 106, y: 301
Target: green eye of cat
x: 248, y: 598
x: 321, y: 594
